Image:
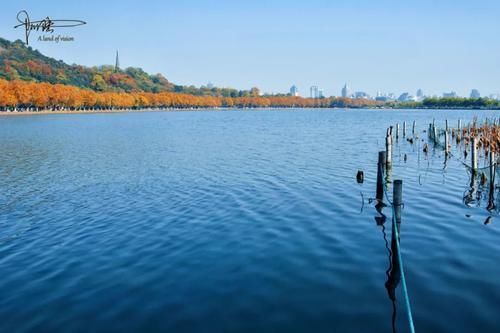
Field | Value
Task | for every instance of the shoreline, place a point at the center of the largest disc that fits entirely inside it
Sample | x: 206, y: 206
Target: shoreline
x: 49, y: 112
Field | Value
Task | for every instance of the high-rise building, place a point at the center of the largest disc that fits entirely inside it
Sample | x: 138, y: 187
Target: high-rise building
x: 294, y: 91
x: 404, y: 97
x: 450, y: 94
x: 320, y: 93
x: 346, y: 92
x: 420, y: 95
x: 361, y: 94
x: 474, y: 93
x: 314, y: 92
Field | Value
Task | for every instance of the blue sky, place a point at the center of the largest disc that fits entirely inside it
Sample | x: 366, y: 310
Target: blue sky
x: 391, y: 46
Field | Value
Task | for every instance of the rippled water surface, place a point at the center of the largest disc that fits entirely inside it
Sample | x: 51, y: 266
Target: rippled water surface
x: 236, y: 221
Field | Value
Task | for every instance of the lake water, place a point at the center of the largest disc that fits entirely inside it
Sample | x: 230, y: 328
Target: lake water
x: 236, y: 221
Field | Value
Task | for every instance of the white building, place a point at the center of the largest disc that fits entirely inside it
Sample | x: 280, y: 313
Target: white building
x: 346, y: 91
x: 314, y: 92
x: 474, y: 93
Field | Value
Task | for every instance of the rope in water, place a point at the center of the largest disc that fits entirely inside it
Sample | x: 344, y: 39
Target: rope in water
x: 403, y: 280
x: 401, y: 268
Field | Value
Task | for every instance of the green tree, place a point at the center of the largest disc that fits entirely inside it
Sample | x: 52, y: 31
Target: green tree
x: 98, y: 83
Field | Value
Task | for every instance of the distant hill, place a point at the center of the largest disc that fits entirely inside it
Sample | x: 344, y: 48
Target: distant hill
x: 21, y: 62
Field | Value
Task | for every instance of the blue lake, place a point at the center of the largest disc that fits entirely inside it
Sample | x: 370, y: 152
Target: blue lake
x: 237, y: 221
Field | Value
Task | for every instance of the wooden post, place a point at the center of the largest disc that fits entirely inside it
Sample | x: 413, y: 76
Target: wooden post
x: 413, y: 128
x: 473, y: 154
x: 397, y: 198
x: 446, y: 125
x: 459, y: 124
x: 430, y: 131
x: 388, y: 150
x: 397, y: 131
x: 434, y: 133
x: 380, y: 175
x: 491, y: 196
x: 446, y: 148
x: 404, y: 129
x: 492, y: 170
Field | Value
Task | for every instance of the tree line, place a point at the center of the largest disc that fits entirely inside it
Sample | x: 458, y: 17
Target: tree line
x: 21, y: 95
x: 460, y: 102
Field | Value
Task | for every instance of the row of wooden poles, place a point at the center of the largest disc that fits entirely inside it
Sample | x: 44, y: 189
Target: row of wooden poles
x: 385, y: 157
x: 473, y: 149
x: 433, y: 134
x: 389, y: 139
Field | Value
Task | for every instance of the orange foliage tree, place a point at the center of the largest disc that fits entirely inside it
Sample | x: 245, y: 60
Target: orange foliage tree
x: 33, y: 96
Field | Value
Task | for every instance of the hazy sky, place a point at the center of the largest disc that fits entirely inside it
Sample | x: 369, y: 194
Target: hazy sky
x: 391, y: 46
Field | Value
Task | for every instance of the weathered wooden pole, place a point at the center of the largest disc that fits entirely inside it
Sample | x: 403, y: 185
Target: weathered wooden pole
x: 434, y: 133
x: 413, y: 128
x: 446, y: 125
x: 491, y: 196
x: 492, y: 170
x: 397, y: 198
x: 446, y: 147
x: 397, y: 131
x: 459, y: 124
x: 380, y: 175
x: 473, y: 153
x: 404, y: 129
x: 388, y: 150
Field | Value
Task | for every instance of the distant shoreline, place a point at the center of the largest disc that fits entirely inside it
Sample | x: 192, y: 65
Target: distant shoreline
x: 50, y: 112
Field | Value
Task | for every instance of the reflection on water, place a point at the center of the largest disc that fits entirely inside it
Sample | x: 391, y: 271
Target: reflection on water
x: 393, y: 272
x: 481, y: 192
x: 393, y: 275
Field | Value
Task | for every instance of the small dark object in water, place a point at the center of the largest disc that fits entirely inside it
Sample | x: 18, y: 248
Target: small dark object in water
x: 465, y: 153
x: 360, y: 177
x: 426, y: 148
x: 483, y: 178
x: 467, y: 215
x: 410, y: 140
x: 406, y: 157
x: 488, y: 220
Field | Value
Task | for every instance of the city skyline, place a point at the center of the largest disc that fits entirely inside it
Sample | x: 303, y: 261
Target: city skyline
x: 346, y: 91
x: 378, y: 46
